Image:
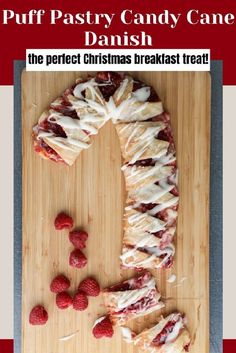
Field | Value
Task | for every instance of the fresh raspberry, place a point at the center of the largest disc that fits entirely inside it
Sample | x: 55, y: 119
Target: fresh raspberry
x: 63, y: 221
x: 78, y: 238
x: 63, y: 300
x: 59, y: 284
x: 77, y: 259
x: 38, y: 316
x: 90, y: 287
x: 103, y: 327
x: 80, y: 301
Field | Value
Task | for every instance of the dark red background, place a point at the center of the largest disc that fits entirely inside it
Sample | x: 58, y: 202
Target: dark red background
x: 220, y: 39
x: 6, y: 346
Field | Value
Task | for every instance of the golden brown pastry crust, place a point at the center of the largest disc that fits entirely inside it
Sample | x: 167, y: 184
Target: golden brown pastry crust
x: 145, y: 339
x: 140, y: 298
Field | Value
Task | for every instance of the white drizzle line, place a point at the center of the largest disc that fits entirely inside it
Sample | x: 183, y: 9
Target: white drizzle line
x: 90, y: 84
x: 180, y: 282
x: 98, y: 320
x: 127, y: 334
x: 153, y: 253
x: 67, y: 337
x: 171, y: 279
x: 68, y: 123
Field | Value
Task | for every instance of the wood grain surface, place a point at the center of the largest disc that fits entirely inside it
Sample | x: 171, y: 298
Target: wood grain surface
x: 92, y: 191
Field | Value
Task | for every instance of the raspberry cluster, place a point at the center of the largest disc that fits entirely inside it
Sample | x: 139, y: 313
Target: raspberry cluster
x: 60, y: 284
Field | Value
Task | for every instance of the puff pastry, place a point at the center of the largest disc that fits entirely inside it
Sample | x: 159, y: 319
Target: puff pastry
x: 132, y: 298
x: 169, y: 335
x: 147, y: 147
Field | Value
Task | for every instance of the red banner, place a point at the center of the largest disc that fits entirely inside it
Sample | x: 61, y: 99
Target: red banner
x: 220, y: 37
x: 6, y: 346
x: 229, y: 346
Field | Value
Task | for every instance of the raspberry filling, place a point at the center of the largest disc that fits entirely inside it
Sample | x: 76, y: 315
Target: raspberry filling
x: 165, y: 236
x: 186, y: 347
x: 162, y: 215
x: 142, y: 304
x: 121, y: 287
x: 162, y: 117
x: 165, y: 135
x: 52, y: 127
x: 65, y: 110
x: 42, y: 147
x: 113, y: 80
x: 135, y: 283
x: 169, y: 262
x: 65, y: 107
x: 162, y: 336
x: 144, y: 163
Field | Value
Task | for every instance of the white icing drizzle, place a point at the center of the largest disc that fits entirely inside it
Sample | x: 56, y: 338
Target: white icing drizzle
x: 121, y: 89
x: 180, y: 282
x: 97, y: 109
x: 70, y: 125
x: 172, y: 278
x: 93, y: 111
x: 142, y: 240
x: 67, y: 337
x: 158, y: 252
x: 126, y: 334
x: 143, y: 222
x: 145, y: 194
x: 64, y: 143
x: 130, y: 297
x: 136, y: 174
x: 141, y: 137
x: 153, y: 253
x: 42, y: 134
x: 151, y: 193
x: 141, y: 298
x: 172, y: 202
x: 175, y: 332
x: 127, y: 109
x: 145, y: 339
x: 90, y: 84
x: 134, y: 107
x: 135, y: 263
x: 142, y: 94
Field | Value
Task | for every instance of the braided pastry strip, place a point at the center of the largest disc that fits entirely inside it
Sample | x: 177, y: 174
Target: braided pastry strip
x: 147, y: 146
x: 167, y: 336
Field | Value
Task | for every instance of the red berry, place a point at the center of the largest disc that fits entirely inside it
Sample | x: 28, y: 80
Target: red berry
x: 90, y: 287
x: 103, y: 327
x: 38, y: 316
x: 80, y: 301
x: 77, y: 259
x: 78, y: 238
x: 59, y: 284
x: 63, y: 300
x: 63, y: 221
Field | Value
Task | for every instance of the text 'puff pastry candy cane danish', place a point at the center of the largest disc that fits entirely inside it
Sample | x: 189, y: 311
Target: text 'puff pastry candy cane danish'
x: 169, y: 335
x: 147, y: 146
x: 132, y: 298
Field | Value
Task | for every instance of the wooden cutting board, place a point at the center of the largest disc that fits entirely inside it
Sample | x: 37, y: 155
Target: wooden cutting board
x: 92, y: 191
